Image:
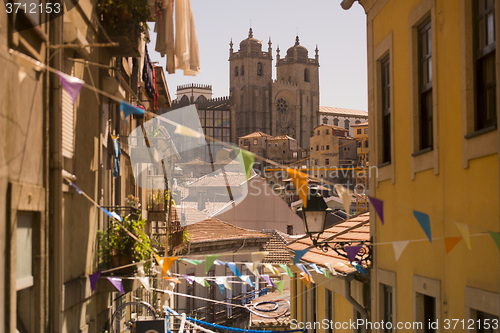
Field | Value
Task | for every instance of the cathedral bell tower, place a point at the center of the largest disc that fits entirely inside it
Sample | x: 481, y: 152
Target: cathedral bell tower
x: 250, y: 79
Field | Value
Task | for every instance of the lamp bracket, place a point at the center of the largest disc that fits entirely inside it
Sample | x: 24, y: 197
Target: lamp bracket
x: 364, y: 255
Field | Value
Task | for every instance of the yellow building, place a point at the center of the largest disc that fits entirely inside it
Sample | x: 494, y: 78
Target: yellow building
x: 433, y: 105
x: 361, y: 136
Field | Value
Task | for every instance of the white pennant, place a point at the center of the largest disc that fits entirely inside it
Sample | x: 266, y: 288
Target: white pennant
x: 332, y: 270
x: 226, y: 283
x: 145, y: 282
x: 345, y: 195
x: 399, y: 248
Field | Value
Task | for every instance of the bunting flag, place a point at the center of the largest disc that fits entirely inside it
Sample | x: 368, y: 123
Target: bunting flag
x: 186, y: 131
x: 257, y: 258
x: 303, y: 268
x: 221, y: 285
x: 378, y: 205
x: 268, y: 280
x: 145, y: 282
x: 201, y: 281
x: 305, y: 279
x: 219, y: 262
x: 352, y: 252
x: 346, y: 196
x: 226, y: 283
x: 167, y: 264
x: 112, y: 214
x: 332, y: 270
x: 464, y: 231
x: 399, y: 248
x: 279, y: 285
x: 77, y: 189
x: 247, y: 279
x: 251, y: 268
x: 159, y: 260
x: 247, y: 159
x: 188, y: 278
x: 325, y: 272
x: 172, y: 279
x: 209, y: 261
x: 192, y: 261
x: 359, y: 268
x: 140, y: 270
x: 21, y: 74
x: 316, y: 268
x: 117, y: 282
x: 93, y: 280
x: 273, y: 269
x: 129, y: 109
x: 451, y: 242
x: 71, y: 84
x: 300, y: 181
x: 425, y: 223
x: 299, y: 254
x: 232, y: 266
x: 287, y: 270
x: 496, y: 238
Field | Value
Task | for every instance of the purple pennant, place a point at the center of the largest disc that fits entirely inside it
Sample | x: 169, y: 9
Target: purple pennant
x: 298, y: 255
x: 93, y: 280
x: 117, y: 283
x: 379, y: 208
x: 303, y: 269
x: 268, y: 279
x: 352, y: 252
x: 71, y: 84
x: 188, y: 278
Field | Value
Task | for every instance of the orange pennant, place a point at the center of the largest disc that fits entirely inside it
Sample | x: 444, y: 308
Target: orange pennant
x: 172, y: 279
x: 451, y: 242
x: 167, y: 263
x: 305, y: 279
x: 300, y: 182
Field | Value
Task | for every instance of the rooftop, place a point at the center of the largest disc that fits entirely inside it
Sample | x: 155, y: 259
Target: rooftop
x: 361, y: 124
x: 340, y: 111
x: 213, y: 230
x: 280, y: 137
x: 337, y: 128
x: 254, y: 135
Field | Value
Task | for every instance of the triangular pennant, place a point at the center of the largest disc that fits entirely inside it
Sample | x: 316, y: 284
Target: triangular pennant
x: 325, y: 272
x: 451, y: 242
x: 359, y: 268
x: 186, y: 131
x: 167, y: 264
x: 346, y: 196
x: 464, y: 231
x: 287, y: 270
x: 378, y: 205
x: 303, y: 268
x: 257, y: 258
x: 201, y: 281
x: 226, y: 283
x: 330, y: 267
x: 219, y: 262
x: 268, y: 280
x: 172, y: 279
x: 209, y: 261
x: 140, y: 269
x: 93, y: 280
x: 496, y: 238
x: 221, y: 285
x: 188, y: 278
x: 299, y: 254
x: 273, y: 269
x: 21, y: 74
x: 300, y: 181
x: 305, y: 278
x: 279, y: 285
x: 399, y: 248
x: 352, y: 252
x: 248, y: 280
x: 316, y: 268
x: 232, y: 266
x: 425, y: 223
x: 112, y: 214
x: 191, y: 261
x: 129, y: 109
x: 71, y: 84
x: 145, y: 282
x: 117, y: 282
x: 159, y: 260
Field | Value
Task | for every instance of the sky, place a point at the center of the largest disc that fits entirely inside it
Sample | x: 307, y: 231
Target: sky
x: 339, y: 34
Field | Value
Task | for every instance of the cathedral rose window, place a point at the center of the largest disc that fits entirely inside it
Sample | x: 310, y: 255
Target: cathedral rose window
x: 282, y: 105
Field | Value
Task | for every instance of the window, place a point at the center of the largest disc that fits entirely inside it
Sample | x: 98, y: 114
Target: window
x: 236, y: 73
x: 485, y: 49
x: 346, y: 124
x: 426, y: 311
x: 358, y: 131
x: 329, y: 309
x: 483, y: 320
x: 317, y: 133
x: 387, y: 306
x: 366, y: 131
x: 425, y: 122
x: 317, y: 148
x: 306, y: 75
x: 426, y: 298
x: 327, y: 131
x: 385, y: 86
x: 259, y: 69
x: 322, y: 147
x: 335, y: 122
x: 242, y: 70
x: 366, y: 143
x: 294, y: 154
x: 255, y: 141
x: 276, y: 145
x: 357, y: 122
x: 247, y: 142
x: 327, y: 161
x: 325, y: 120
x: 327, y: 147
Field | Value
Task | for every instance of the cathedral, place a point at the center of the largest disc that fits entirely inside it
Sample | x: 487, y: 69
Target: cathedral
x: 288, y: 105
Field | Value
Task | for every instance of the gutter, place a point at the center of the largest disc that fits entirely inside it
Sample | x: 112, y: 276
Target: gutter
x: 348, y: 297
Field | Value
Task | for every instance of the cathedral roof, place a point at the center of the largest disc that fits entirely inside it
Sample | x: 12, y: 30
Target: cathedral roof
x: 342, y: 112
x: 297, y: 51
x: 250, y: 44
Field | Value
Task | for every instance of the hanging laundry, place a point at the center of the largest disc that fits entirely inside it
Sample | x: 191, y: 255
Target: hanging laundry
x: 116, y: 157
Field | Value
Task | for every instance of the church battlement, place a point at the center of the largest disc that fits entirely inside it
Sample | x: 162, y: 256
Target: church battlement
x: 194, y: 85
x: 285, y: 82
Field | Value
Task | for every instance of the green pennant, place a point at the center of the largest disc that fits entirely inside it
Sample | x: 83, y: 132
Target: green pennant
x: 247, y: 158
x: 325, y: 273
x: 192, y: 261
x: 209, y: 261
x: 202, y: 281
x: 279, y: 285
x: 287, y: 270
x: 496, y: 238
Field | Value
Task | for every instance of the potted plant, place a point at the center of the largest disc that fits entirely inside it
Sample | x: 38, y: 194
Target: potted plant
x: 117, y: 248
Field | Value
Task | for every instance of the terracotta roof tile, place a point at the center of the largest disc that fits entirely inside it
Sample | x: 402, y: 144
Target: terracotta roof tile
x: 254, y: 135
x: 213, y: 229
x: 341, y: 111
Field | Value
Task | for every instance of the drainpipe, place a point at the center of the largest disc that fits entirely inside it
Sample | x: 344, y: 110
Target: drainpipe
x: 354, y: 303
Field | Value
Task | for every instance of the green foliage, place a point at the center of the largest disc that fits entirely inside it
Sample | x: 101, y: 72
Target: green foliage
x: 119, y: 14
x: 115, y: 241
